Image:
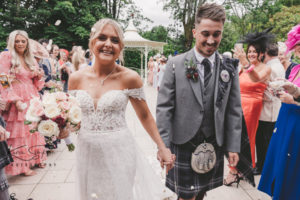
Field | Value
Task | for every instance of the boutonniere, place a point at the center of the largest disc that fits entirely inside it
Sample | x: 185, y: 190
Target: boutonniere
x: 191, y: 70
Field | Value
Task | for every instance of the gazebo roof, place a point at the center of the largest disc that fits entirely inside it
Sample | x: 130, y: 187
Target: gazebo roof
x: 133, y: 39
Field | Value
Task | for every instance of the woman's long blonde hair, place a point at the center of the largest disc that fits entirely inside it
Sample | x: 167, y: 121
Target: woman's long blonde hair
x: 97, y: 28
x: 77, y: 57
x: 28, y: 56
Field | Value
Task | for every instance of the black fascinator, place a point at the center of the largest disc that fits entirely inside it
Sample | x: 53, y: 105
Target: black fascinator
x: 261, y: 39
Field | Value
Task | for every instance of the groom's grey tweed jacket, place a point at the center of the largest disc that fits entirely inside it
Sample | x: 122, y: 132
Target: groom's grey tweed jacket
x: 180, y: 108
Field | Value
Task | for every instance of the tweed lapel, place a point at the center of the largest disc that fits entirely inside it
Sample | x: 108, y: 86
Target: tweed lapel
x: 217, y: 68
x: 196, y: 86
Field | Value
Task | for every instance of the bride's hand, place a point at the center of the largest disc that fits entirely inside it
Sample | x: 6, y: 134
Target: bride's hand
x: 64, y: 133
x: 165, y: 157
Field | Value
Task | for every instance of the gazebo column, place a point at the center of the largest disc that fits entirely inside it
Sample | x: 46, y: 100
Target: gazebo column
x: 142, y: 72
x: 146, y: 65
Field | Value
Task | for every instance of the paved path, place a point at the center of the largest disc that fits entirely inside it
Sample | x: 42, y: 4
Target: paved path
x: 56, y: 181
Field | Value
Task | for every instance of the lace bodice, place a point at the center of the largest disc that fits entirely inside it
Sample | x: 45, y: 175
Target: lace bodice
x: 109, y: 113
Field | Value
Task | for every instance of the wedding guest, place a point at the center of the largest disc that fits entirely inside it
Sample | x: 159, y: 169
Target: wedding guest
x: 65, y: 68
x: 281, y: 175
x: 253, y: 77
x: 19, y: 64
x: 155, y: 71
x: 162, y: 68
x: 78, y: 58
x: 270, y: 109
x: 150, y: 71
x: 54, y: 57
x: 285, y: 59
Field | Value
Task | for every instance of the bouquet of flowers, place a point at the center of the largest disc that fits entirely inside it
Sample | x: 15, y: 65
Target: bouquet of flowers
x: 276, y: 86
x: 56, y: 112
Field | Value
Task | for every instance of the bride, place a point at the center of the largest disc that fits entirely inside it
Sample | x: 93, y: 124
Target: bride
x: 109, y: 164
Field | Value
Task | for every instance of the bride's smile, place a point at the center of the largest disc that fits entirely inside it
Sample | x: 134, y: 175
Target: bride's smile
x: 107, y: 45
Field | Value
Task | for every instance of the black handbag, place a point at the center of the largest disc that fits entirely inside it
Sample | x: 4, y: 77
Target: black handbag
x: 5, y: 155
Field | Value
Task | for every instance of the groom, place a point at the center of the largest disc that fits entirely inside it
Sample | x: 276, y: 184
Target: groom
x: 199, y: 100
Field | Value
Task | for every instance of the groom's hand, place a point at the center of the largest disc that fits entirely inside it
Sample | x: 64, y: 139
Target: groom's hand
x: 165, y: 157
x: 233, y: 159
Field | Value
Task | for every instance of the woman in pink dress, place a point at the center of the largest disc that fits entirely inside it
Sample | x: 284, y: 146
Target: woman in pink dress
x: 150, y: 71
x: 26, y: 80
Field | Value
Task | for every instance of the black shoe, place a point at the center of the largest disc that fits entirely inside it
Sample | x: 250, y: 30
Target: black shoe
x: 256, y: 171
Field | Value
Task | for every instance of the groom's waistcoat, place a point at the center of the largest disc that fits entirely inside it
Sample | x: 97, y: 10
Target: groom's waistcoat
x: 207, y: 127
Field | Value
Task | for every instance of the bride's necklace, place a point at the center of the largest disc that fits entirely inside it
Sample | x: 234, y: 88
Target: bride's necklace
x: 102, y: 81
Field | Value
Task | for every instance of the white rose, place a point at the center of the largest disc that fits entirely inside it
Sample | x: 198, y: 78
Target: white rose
x: 52, y: 110
x: 49, y: 99
x: 75, y: 115
x: 31, y: 115
x: 48, y: 128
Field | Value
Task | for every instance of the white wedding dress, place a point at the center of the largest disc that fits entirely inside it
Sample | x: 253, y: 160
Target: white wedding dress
x: 109, y: 164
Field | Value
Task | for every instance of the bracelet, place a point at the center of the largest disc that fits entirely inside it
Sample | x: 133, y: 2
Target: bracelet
x: 250, y: 69
x: 246, y: 67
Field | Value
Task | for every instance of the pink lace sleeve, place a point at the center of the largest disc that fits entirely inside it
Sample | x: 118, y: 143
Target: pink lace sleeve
x: 7, y: 94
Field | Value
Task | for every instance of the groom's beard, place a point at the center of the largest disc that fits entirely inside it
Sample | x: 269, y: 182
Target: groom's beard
x: 208, y: 49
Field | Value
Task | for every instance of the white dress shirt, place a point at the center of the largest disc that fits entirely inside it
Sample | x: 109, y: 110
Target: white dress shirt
x: 200, y: 67
x: 271, y: 104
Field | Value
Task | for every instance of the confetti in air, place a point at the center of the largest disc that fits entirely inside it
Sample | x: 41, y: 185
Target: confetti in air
x: 57, y: 23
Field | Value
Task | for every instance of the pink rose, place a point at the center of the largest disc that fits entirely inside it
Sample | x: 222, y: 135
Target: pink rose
x: 64, y: 105
x: 39, y: 111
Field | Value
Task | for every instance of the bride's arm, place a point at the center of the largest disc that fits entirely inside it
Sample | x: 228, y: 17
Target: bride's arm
x: 148, y: 122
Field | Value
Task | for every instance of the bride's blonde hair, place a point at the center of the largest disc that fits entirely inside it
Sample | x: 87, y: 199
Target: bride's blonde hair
x: 97, y: 29
x: 28, y: 56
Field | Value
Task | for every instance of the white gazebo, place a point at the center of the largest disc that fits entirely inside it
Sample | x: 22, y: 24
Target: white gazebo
x: 133, y: 40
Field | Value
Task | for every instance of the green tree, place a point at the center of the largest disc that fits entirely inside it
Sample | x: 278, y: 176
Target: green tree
x: 229, y: 38
x: 184, y: 11
x: 284, y: 20
x: 38, y: 18
x: 251, y: 15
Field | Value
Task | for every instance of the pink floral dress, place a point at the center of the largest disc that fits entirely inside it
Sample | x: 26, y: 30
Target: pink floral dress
x: 27, y: 148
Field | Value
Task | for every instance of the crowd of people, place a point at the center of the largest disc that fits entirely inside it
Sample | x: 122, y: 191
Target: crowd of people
x: 245, y: 108
x: 156, y: 68
x: 31, y: 69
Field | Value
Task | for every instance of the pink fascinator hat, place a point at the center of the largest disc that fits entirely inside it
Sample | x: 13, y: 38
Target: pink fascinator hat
x: 293, y: 38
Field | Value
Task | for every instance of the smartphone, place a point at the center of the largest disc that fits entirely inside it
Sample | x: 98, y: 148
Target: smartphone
x: 238, y: 46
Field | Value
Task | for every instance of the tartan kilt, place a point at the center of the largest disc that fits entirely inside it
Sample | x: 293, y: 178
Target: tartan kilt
x: 184, y: 181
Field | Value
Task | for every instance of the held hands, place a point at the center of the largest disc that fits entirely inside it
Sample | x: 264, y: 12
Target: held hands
x: 165, y: 157
x: 285, y: 97
x: 233, y: 159
x: 291, y: 88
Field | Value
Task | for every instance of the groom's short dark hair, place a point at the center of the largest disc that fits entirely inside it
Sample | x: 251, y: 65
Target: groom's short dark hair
x: 212, y: 11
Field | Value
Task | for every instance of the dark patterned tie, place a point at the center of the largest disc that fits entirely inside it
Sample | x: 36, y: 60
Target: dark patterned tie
x: 207, y: 71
